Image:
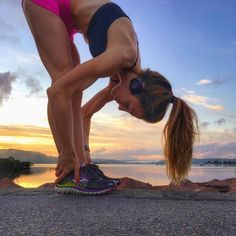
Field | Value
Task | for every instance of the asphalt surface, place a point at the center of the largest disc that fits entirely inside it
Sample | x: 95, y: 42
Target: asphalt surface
x: 130, y: 212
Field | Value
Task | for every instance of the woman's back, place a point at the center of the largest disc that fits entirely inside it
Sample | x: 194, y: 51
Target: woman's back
x: 83, y: 10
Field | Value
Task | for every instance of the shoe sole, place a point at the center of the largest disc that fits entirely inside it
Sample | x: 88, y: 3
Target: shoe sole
x: 79, y: 192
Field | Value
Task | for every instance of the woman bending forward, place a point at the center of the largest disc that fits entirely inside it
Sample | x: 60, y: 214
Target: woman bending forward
x: 144, y: 94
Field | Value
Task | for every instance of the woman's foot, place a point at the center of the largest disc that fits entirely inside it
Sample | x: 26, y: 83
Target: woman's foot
x: 89, y: 183
x: 99, y: 173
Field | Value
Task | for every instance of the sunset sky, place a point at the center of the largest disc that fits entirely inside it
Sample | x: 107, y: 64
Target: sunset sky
x: 192, y: 43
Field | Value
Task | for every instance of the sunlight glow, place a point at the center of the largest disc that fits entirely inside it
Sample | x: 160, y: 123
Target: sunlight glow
x: 24, y: 110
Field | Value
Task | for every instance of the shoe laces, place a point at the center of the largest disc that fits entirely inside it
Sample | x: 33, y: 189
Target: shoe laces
x: 96, y: 167
x: 90, y: 172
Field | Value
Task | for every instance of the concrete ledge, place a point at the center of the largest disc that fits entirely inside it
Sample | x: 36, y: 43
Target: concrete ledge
x: 132, y: 193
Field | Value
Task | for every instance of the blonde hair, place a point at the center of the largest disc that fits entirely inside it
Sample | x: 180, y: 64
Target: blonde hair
x: 181, y: 128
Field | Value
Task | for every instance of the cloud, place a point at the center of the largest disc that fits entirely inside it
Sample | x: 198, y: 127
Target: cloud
x: 220, y: 81
x: 216, y: 150
x: 24, y: 60
x: 202, y: 101
x: 32, y: 137
x: 6, y: 80
x: 15, y: 10
x: 27, y: 137
x: 25, y: 131
x: 204, y: 81
x: 215, y: 82
x: 9, y: 38
x: 7, y: 33
x: 4, y: 26
x: 115, y: 133
x: 128, y: 154
x: 205, y: 125
x: 33, y: 85
x: 220, y: 121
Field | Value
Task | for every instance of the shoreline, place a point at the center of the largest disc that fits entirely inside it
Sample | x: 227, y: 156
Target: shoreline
x: 227, y: 186
x: 153, y: 174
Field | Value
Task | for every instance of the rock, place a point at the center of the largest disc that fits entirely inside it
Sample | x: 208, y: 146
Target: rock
x: 206, y: 189
x: 186, y: 185
x: 223, y: 186
x: 232, y: 190
x: 47, y: 185
x: 213, y: 181
x: 163, y: 187
x: 8, y: 183
x: 231, y: 182
x: 131, y: 183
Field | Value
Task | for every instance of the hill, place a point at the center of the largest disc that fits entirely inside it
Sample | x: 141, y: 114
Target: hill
x: 40, y: 158
x: 34, y: 157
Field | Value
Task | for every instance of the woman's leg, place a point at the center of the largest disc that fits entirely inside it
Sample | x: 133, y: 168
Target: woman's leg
x: 54, y: 47
x: 77, y: 117
x: 78, y: 128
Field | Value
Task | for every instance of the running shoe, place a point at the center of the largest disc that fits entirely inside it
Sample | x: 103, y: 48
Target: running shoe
x: 99, y: 173
x: 65, y: 185
x: 89, y: 184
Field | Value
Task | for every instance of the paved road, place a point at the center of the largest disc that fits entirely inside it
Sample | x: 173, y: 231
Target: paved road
x: 132, y: 212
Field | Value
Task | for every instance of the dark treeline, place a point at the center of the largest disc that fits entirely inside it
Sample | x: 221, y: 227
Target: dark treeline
x: 9, y: 167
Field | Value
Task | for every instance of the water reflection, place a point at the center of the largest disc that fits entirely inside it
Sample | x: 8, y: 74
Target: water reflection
x: 9, y: 175
x: 40, y: 174
x: 13, y: 174
x: 206, y: 173
x: 153, y: 174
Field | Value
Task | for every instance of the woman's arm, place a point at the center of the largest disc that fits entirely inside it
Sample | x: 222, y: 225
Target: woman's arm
x: 95, y: 104
x: 109, y: 63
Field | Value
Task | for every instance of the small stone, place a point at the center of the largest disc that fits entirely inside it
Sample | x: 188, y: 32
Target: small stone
x: 206, y: 189
x: 132, y: 183
x: 8, y: 183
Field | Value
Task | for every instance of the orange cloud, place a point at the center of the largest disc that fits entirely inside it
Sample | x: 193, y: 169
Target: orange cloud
x: 111, y: 133
x: 202, y: 101
x: 31, y: 138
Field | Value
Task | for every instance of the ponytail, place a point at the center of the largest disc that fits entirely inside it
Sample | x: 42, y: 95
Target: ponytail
x: 179, y: 134
x: 181, y: 128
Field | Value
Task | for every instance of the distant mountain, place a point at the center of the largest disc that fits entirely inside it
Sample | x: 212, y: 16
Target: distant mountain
x: 40, y: 158
x: 34, y: 157
x: 207, y: 161
x: 214, y: 161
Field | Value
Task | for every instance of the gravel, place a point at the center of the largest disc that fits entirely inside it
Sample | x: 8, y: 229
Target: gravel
x: 47, y: 213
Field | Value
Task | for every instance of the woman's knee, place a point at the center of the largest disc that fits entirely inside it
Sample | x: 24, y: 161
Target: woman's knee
x: 57, y: 74
x: 54, y: 92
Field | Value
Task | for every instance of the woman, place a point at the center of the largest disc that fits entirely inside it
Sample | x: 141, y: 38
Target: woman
x: 114, y: 47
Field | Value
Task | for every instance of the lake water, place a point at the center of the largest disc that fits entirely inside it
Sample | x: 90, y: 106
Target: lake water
x: 153, y: 174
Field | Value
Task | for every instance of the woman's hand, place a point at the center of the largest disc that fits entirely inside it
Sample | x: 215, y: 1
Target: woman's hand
x: 65, y: 166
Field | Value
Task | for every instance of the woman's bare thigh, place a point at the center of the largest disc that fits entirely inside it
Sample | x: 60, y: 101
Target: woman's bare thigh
x: 51, y: 38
